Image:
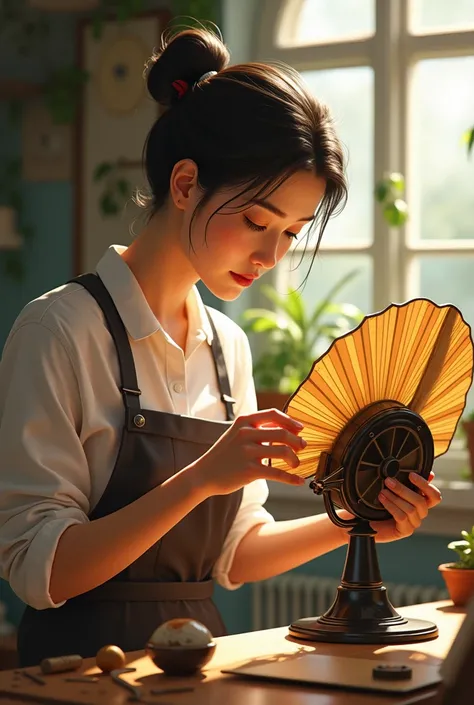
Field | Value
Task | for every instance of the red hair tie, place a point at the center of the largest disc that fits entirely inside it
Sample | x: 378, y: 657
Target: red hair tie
x: 181, y: 87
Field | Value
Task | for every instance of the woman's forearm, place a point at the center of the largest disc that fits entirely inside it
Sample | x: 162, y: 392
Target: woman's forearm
x: 271, y: 549
x: 89, y: 554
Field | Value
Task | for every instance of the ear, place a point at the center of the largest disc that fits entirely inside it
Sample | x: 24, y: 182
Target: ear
x: 184, y: 183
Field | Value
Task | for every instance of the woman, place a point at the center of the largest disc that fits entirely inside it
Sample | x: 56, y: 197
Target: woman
x: 134, y: 469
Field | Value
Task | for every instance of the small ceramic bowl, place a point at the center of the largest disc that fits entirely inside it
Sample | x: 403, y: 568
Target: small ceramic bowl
x: 180, y: 660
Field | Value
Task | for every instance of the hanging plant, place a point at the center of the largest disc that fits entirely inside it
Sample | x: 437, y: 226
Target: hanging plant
x: 117, y: 189
x: 389, y: 192
x: 62, y: 94
x: 120, y: 10
x: 195, y: 11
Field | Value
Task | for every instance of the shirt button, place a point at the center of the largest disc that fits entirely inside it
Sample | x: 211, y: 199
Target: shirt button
x: 178, y: 387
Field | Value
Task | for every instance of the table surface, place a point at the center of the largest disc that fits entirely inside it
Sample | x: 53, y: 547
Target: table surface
x: 212, y: 687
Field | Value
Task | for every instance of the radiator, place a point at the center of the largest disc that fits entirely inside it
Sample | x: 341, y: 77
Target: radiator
x: 279, y: 601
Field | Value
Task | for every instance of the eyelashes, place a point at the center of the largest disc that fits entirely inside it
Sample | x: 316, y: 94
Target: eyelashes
x: 253, y: 226
x: 260, y: 228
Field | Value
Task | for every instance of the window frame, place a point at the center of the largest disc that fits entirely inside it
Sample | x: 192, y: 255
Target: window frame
x: 392, y: 52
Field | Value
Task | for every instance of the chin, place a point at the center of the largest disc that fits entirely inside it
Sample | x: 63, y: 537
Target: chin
x: 224, y: 293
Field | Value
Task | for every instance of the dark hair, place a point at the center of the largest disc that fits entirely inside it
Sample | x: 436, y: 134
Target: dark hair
x: 250, y: 125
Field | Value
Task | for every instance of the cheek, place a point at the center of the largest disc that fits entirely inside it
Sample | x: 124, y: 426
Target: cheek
x: 283, y: 247
x: 226, y: 233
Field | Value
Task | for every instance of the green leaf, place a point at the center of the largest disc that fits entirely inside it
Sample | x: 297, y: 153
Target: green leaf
x: 322, y: 307
x: 469, y: 139
x: 123, y: 187
x: 108, y: 205
x: 262, y: 319
x: 396, y: 212
x: 102, y: 170
x: 397, y: 182
x: 381, y: 190
x: 280, y: 300
x: 296, y: 308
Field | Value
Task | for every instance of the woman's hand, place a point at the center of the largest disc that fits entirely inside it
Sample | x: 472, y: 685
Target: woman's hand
x: 237, y: 458
x: 408, y: 508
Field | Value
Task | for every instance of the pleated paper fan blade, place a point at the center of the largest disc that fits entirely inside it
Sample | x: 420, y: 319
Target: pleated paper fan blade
x: 417, y: 354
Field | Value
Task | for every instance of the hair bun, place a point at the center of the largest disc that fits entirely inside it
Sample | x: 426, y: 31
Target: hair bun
x: 186, y: 56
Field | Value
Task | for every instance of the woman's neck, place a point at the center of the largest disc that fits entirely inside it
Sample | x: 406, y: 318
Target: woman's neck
x: 164, y: 274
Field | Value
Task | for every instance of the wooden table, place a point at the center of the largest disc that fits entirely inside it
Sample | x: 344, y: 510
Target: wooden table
x: 214, y: 688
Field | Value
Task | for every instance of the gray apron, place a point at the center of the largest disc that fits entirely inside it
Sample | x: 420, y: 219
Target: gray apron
x: 171, y: 579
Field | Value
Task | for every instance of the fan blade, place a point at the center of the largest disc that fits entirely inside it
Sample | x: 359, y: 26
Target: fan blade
x: 435, y: 363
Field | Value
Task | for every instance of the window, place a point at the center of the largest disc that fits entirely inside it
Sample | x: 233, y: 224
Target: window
x: 399, y: 78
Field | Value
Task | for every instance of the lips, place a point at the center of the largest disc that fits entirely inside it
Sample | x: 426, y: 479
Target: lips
x: 243, y: 279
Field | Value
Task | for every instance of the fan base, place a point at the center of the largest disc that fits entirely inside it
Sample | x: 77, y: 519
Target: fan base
x: 397, y: 630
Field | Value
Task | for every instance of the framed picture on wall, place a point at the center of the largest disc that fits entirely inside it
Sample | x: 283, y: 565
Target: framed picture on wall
x: 115, y: 116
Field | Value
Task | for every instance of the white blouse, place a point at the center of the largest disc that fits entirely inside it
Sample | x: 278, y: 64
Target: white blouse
x: 61, y: 413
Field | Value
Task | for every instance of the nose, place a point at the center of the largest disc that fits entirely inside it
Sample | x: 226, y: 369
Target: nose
x: 266, y: 257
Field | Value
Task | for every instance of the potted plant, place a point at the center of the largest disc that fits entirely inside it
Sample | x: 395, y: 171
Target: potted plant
x: 295, y: 337
x: 468, y: 430
x: 459, y: 576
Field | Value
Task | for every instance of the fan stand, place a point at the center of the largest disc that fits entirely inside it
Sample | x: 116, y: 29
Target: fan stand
x: 362, y: 612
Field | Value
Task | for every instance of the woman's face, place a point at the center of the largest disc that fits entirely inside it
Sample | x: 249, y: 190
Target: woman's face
x: 239, y: 246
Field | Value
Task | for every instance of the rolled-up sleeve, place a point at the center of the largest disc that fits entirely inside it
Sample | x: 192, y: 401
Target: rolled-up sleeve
x: 251, y: 512
x: 44, y: 478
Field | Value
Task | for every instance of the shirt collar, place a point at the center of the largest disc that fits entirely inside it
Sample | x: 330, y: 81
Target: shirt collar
x: 132, y: 306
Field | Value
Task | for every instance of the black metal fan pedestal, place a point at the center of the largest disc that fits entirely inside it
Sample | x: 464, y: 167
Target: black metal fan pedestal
x: 384, y: 439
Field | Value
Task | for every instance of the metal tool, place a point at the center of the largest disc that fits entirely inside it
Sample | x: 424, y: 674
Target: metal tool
x: 32, y: 677
x: 134, y: 689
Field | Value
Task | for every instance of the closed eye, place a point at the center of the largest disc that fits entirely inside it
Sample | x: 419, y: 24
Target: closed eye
x: 260, y: 228
x: 253, y: 226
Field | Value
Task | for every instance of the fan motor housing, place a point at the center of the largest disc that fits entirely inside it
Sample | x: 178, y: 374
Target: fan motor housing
x: 385, y: 439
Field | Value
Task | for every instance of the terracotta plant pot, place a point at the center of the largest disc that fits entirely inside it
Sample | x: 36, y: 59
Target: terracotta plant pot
x: 468, y: 427
x: 272, y: 400
x: 459, y: 582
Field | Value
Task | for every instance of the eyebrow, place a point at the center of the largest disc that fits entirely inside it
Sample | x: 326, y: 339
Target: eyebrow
x: 275, y: 210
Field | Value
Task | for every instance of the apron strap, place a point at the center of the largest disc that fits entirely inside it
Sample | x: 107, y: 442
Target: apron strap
x: 128, y: 374
x: 221, y: 370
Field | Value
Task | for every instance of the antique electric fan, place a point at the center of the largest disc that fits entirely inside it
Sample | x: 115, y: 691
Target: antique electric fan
x: 383, y: 401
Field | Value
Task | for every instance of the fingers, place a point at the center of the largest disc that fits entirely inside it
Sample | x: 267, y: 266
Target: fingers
x: 271, y: 416
x: 432, y: 493
x: 279, y: 452
x: 405, y: 514
x: 405, y: 505
x: 274, y: 435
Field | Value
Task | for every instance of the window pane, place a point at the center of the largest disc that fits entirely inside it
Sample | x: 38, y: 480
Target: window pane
x: 442, y: 194
x: 448, y: 279
x: 326, y: 272
x: 437, y: 15
x: 321, y: 21
x: 349, y: 94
